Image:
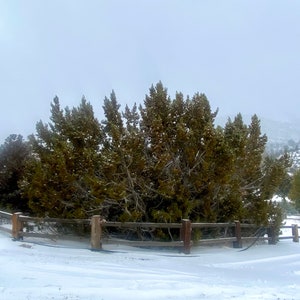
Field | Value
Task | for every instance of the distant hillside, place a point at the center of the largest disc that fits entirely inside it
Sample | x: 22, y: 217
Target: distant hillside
x: 280, y: 132
x: 283, y: 136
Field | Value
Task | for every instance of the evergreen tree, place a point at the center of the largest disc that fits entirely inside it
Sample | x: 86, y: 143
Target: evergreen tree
x: 256, y: 177
x: 209, y: 160
x: 284, y: 187
x: 163, y: 162
x: 186, y: 156
x: 274, y: 173
x: 122, y: 162
x: 155, y: 126
x: 61, y: 178
x: 14, y: 154
x: 294, y: 193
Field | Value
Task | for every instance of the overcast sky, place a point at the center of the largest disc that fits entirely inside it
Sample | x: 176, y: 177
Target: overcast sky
x: 244, y: 55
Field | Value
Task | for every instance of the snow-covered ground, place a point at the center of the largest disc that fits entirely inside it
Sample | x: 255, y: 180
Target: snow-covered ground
x: 72, y: 271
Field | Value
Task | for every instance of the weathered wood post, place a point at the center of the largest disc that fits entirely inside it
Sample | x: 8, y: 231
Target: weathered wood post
x: 186, y: 230
x: 295, y: 233
x: 271, y: 235
x: 17, y: 226
x: 238, y: 235
x: 96, y: 232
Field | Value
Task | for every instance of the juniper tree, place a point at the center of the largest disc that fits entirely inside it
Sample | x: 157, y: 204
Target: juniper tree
x: 256, y: 177
x: 155, y: 126
x: 60, y: 180
x: 123, y: 162
x: 294, y: 193
x: 187, y: 156
x: 163, y: 162
x: 207, y: 158
x: 14, y: 154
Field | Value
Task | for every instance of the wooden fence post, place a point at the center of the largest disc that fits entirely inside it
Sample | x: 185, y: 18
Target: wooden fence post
x: 96, y: 232
x: 271, y: 235
x: 186, y: 230
x: 238, y: 235
x: 17, y: 226
x: 295, y: 233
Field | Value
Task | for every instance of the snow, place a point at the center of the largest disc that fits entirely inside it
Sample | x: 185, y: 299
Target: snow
x: 69, y: 270
x: 279, y: 199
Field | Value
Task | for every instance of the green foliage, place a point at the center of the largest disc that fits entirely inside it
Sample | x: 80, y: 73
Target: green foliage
x: 275, y: 216
x: 294, y: 194
x: 60, y: 179
x: 163, y: 161
x: 123, y: 163
x: 274, y: 174
x: 14, y: 154
x: 186, y: 154
x: 255, y: 178
x: 284, y: 187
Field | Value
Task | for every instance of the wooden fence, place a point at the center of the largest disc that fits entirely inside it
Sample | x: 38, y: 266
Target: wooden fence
x: 5, y: 219
x: 185, y: 228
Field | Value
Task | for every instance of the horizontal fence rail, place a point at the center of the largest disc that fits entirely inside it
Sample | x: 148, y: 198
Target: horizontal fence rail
x: 186, y: 228
x: 5, y: 215
x: 5, y: 222
x: 54, y: 220
x: 140, y: 225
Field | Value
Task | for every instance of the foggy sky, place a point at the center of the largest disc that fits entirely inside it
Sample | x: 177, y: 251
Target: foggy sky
x: 244, y: 55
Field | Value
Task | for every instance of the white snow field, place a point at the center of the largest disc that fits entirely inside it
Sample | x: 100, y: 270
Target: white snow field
x: 72, y: 271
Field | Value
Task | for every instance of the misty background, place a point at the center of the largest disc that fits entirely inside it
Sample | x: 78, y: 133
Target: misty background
x: 244, y: 55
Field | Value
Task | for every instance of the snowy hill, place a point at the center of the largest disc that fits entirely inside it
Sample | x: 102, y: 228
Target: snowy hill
x: 281, y: 132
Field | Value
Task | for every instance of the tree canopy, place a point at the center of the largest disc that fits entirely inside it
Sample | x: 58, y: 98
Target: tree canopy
x: 14, y: 154
x: 294, y: 193
x: 60, y: 181
x: 162, y: 161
